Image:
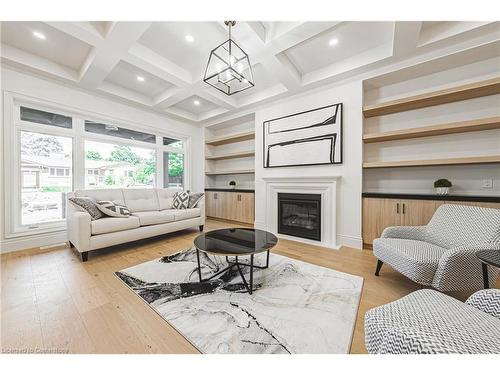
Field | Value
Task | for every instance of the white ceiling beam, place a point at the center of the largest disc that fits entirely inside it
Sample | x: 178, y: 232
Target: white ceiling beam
x: 122, y: 92
x: 15, y: 56
x: 104, y: 57
x: 405, y: 38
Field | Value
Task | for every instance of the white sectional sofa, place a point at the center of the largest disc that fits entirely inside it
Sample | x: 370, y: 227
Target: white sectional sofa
x: 152, y: 215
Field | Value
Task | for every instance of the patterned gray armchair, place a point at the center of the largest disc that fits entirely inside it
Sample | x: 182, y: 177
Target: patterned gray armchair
x: 441, y: 254
x: 428, y: 322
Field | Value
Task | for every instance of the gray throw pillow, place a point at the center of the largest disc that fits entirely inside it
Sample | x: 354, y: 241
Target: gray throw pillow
x: 194, y: 199
x: 181, y: 200
x: 112, y: 209
x: 89, y: 205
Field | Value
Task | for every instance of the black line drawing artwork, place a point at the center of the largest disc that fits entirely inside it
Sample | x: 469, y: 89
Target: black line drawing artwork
x: 306, y: 138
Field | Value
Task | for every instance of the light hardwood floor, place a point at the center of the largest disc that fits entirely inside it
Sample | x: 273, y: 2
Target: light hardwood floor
x: 51, y: 300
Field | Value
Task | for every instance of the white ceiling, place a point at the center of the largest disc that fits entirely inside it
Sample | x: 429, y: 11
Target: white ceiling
x: 287, y: 57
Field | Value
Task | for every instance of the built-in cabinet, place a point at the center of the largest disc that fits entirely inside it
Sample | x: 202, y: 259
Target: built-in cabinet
x: 380, y: 213
x: 233, y: 206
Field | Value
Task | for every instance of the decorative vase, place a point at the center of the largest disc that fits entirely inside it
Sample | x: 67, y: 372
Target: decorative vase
x: 442, y: 190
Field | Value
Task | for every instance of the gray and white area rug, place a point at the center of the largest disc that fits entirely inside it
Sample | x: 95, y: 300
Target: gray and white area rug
x: 296, y: 307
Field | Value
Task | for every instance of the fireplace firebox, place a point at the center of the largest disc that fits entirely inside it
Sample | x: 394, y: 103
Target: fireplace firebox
x: 299, y: 215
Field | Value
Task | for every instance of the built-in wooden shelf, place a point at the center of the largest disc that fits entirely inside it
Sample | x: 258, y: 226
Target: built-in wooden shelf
x: 421, y: 163
x: 235, y: 155
x: 231, y: 139
x: 241, y: 171
x: 453, y: 94
x: 441, y: 129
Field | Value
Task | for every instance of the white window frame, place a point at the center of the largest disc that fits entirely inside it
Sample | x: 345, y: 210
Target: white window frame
x: 13, y: 125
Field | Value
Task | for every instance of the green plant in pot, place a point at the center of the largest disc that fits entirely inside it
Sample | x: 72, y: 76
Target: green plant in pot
x: 442, y: 186
x: 232, y: 184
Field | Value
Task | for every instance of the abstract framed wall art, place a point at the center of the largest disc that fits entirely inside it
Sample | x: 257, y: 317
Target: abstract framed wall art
x: 311, y: 137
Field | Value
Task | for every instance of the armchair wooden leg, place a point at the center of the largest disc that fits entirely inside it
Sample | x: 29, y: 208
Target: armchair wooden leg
x: 379, y: 266
x: 85, y: 256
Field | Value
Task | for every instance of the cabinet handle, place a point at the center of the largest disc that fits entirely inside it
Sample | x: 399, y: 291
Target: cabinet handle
x: 239, y: 197
x: 215, y: 196
x: 397, y: 208
x: 404, y: 208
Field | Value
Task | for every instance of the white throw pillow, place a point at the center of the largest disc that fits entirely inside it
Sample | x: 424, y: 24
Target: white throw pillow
x: 181, y: 200
x: 112, y: 209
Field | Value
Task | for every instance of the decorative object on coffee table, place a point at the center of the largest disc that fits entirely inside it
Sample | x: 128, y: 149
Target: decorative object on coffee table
x: 235, y: 242
x: 232, y: 184
x: 488, y: 258
x: 442, y: 186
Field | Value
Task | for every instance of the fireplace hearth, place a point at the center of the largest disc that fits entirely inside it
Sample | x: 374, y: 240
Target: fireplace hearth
x: 299, y: 215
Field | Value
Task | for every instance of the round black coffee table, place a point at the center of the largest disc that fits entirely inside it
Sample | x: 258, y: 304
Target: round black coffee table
x: 488, y: 258
x: 235, y: 242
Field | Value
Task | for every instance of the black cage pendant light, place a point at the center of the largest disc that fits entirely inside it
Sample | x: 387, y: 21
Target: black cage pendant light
x: 228, y: 68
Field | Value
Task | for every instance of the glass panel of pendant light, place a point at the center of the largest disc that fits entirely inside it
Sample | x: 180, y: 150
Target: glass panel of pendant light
x: 229, y: 69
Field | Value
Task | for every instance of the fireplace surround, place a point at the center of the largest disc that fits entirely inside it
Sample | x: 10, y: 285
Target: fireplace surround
x: 267, y: 204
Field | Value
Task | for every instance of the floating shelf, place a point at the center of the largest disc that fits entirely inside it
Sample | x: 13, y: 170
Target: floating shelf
x: 453, y: 94
x: 241, y: 171
x: 231, y: 138
x: 421, y: 163
x: 441, y: 129
x: 244, y: 154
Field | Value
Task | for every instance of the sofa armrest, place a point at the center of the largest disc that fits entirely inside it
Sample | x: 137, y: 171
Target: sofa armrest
x: 201, y: 206
x: 460, y: 269
x: 405, y: 232
x: 487, y: 300
x: 78, y: 229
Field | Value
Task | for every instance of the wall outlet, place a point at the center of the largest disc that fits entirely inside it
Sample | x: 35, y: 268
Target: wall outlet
x: 487, y: 183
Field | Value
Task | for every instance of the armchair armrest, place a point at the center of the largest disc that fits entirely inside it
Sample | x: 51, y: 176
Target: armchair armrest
x: 201, y: 206
x: 460, y: 269
x: 405, y: 232
x: 487, y: 300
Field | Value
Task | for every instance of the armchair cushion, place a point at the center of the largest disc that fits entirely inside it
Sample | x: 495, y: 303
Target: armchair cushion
x: 416, y: 260
x: 487, y: 300
x: 427, y: 321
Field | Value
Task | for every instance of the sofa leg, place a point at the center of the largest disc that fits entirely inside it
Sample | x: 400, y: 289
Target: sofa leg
x: 379, y: 266
x: 201, y: 228
x: 85, y: 256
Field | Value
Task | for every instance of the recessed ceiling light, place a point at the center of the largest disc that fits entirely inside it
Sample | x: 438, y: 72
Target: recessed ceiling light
x: 140, y: 79
x: 39, y: 35
x: 196, y: 102
x: 189, y: 38
x: 333, y: 42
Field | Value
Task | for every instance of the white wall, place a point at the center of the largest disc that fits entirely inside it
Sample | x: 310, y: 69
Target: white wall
x: 349, y: 191
x: 59, y: 94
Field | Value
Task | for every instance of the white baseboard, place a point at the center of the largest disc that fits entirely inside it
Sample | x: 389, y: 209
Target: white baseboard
x: 21, y: 243
x: 350, y: 241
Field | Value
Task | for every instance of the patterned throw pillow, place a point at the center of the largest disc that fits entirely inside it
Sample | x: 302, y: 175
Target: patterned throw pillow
x: 89, y: 205
x: 112, y: 209
x: 194, y: 198
x: 181, y: 200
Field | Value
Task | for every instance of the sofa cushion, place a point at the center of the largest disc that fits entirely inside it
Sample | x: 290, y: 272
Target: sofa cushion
x: 166, y: 197
x: 186, y: 213
x: 154, y: 217
x: 113, y: 224
x: 138, y: 200
x: 416, y: 260
x: 113, y: 195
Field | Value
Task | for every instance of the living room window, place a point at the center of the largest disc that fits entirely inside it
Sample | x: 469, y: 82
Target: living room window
x: 122, y: 165
x: 45, y: 168
x: 49, y: 152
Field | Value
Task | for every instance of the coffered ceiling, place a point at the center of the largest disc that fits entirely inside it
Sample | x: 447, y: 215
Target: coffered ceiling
x: 160, y: 65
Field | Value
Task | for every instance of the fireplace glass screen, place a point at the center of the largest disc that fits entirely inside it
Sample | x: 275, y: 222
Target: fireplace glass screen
x: 299, y: 215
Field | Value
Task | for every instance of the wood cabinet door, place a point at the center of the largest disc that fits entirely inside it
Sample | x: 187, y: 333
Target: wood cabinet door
x: 245, y: 207
x: 223, y: 205
x: 211, y: 203
x: 378, y: 214
x: 418, y: 212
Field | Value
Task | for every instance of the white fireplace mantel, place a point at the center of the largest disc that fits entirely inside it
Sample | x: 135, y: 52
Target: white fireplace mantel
x: 324, y: 185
